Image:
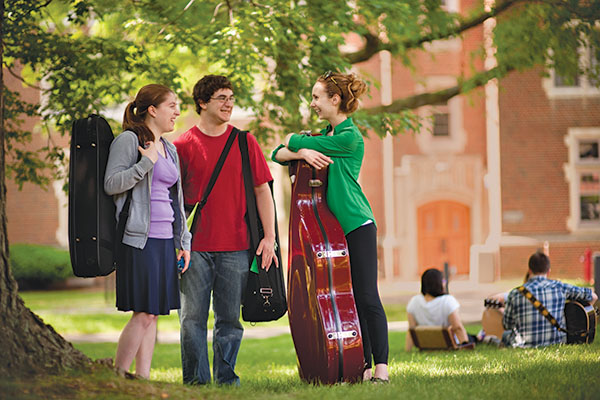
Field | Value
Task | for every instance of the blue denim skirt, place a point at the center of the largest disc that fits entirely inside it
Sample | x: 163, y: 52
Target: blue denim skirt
x: 147, y: 278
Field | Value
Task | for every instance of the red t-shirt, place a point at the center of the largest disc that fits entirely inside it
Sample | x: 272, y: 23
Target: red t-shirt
x: 222, y: 226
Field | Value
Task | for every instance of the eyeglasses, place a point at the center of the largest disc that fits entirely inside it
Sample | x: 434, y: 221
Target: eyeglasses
x: 224, y: 99
x: 329, y: 75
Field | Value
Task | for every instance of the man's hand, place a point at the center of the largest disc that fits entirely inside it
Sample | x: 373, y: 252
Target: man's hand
x: 266, y: 249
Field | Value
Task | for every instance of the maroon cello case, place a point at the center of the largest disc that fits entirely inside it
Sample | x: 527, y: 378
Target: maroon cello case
x: 322, y: 312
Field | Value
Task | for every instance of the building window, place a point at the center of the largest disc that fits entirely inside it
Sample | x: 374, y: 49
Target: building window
x: 594, y: 58
x: 450, y: 5
x: 589, y: 197
x: 560, y: 81
x: 581, y: 85
x: 440, y: 124
x: 589, y: 181
x: 442, y: 129
x: 583, y: 175
x: 588, y: 150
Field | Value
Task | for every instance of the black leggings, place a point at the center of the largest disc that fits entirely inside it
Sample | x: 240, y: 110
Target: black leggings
x: 362, y: 246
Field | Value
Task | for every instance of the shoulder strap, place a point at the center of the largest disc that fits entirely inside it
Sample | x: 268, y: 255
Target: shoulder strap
x: 213, y: 178
x: 252, y: 214
x: 123, y: 217
x: 540, y: 307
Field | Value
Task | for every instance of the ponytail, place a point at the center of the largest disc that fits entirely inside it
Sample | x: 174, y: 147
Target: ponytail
x: 134, y: 118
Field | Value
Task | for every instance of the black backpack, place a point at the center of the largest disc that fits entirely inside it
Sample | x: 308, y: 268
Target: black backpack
x: 92, y: 223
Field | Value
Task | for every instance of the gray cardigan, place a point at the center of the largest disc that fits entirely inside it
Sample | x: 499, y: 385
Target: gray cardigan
x: 124, y: 173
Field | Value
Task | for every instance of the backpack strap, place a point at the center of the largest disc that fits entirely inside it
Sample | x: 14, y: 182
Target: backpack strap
x: 213, y: 178
x: 120, y: 232
x: 123, y: 217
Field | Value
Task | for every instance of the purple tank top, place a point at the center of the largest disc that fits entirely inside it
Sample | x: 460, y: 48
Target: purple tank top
x: 161, y: 212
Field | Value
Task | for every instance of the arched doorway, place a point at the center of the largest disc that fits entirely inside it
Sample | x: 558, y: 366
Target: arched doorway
x: 444, y: 235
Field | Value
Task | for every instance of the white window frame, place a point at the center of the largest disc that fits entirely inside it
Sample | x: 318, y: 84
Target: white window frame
x: 440, y: 110
x: 452, y: 6
x: 453, y: 45
x: 456, y: 140
x: 573, y: 170
x: 584, y: 89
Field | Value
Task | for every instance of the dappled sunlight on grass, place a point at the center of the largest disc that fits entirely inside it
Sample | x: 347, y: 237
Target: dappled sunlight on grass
x: 172, y: 375
x: 268, y: 367
x: 113, y: 321
x: 79, y: 299
x: 88, y: 311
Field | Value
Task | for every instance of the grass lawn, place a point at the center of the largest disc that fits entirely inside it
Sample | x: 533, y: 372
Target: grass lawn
x: 92, y: 311
x: 267, y: 367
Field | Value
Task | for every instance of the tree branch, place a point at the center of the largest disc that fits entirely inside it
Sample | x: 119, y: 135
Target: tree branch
x: 20, y: 78
x: 441, y: 96
x: 374, y: 45
x: 465, y: 25
x: 178, y: 17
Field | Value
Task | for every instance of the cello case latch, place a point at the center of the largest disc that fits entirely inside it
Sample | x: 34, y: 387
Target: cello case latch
x: 342, y: 335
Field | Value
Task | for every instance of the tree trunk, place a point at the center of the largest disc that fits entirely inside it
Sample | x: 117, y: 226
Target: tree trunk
x: 27, y: 345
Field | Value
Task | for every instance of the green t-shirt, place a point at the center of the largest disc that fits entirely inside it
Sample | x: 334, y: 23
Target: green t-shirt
x: 346, y: 148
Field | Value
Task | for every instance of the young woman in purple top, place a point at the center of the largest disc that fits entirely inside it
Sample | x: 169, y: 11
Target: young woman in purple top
x: 143, y: 162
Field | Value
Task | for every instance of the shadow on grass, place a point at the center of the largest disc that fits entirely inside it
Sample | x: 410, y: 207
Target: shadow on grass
x: 267, y: 368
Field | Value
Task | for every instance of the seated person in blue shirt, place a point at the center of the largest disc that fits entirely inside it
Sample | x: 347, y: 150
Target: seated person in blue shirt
x: 435, y: 307
x: 525, y: 325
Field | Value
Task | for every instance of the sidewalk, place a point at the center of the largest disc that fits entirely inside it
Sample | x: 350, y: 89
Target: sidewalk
x: 469, y: 295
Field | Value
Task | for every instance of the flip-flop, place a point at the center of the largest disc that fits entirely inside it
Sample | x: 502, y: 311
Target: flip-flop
x: 378, y: 381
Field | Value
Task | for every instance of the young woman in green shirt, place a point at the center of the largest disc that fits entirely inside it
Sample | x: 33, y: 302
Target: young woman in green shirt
x: 341, y: 147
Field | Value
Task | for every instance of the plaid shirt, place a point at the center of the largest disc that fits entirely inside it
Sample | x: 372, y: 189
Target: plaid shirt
x: 529, y: 327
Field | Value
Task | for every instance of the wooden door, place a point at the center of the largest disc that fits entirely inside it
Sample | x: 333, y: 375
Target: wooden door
x: 444, y: 235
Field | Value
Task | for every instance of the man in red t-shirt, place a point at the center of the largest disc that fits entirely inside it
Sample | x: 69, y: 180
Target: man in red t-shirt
x: 219, y: 261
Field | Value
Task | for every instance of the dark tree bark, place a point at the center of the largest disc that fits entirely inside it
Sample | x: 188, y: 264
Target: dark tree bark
x: 27, y: 345
x: 442, y: 96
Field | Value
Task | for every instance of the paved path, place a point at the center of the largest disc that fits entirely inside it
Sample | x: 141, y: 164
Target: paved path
x: 469, y: 295
x: 256, y: 332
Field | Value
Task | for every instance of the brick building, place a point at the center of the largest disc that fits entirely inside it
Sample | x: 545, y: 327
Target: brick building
x: 492, y: 175
x: 550, y: 169
x: 36, y: 215
x: 427, y: 188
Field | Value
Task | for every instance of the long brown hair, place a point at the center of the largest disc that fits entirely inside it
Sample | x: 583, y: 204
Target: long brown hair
x: 348, y: 86
x: 136, y: 111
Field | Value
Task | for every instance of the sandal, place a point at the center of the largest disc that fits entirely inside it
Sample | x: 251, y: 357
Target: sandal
x: 378, y: 381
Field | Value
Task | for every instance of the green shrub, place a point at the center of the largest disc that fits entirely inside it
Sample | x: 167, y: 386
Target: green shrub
x: 36, y: 267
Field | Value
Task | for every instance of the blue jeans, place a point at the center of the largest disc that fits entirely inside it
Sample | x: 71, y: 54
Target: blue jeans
x: 225, y: 275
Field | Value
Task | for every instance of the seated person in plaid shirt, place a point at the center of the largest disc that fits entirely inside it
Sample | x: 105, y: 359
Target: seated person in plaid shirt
x: 526, y: 327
